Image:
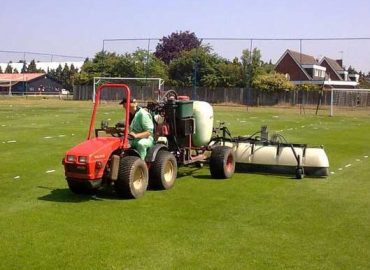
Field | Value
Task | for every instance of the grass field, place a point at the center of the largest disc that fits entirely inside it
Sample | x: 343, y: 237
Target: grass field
x: 252, y: 221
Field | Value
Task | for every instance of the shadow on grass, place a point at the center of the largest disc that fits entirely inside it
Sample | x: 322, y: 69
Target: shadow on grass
x: 65, y: 195
x: 206, y: 177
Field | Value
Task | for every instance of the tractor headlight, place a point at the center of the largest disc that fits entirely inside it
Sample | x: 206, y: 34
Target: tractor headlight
x: 70, y: 158
x: 82, y: 159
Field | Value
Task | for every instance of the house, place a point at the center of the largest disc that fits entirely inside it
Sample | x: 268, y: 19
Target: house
x: 336, y: 71
x: 28, y: 83
x: 305, y: 69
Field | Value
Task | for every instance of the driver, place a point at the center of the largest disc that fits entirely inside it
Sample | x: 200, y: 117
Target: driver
x: 141, y: 127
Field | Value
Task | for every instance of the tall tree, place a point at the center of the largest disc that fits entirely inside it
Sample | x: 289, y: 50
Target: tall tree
x: 1, y: 70
x: 251, y: 64
x: 170, y: 47
x: 9, y: 68
x: 24, y: 67
x: 32, y: 67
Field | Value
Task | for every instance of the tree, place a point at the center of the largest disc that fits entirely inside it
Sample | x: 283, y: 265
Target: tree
x: 230, y: 74
x: 308, y: 87
x: 272, y: 81
x: 24, y: 67
x: 171, y: 46
x: 15, y: 70
x: 351, y: 70
x: 1, y: 70
x: 251, y: 65
x: 195, y: 67
x: 32, y: 67
x: 9, y: 68
x: 138, y: 64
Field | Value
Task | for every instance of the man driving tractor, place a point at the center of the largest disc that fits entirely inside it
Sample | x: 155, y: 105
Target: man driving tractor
x: 141, y: 127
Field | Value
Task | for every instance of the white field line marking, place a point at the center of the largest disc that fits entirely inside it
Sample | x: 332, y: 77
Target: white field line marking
x: 11, y: 141
x: 50, y: 171
x: 62, y: 135
x: 17, y: 177
x: 3, y: 125
x: 348, y: 165
x: 48, y: 137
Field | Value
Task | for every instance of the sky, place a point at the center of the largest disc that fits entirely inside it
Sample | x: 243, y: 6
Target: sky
x: 78, y: 27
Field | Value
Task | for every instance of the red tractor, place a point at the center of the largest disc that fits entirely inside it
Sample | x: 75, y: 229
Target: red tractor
x: 183, y: 131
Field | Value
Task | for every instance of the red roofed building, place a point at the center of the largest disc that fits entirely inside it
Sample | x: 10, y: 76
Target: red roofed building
x: 305, y: 69
x: 22, y: 83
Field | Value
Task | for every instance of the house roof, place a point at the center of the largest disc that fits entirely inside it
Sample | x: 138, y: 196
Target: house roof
x: 303, y: 59
x: 20, y: 77
x: 333, y: 63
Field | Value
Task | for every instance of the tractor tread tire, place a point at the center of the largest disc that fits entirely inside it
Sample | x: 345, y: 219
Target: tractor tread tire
x: 222, y: 162
x: 125, y: 184
x: 157, y: 173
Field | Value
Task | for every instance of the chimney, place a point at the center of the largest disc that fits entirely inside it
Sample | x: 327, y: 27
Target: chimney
x: 340, y: 62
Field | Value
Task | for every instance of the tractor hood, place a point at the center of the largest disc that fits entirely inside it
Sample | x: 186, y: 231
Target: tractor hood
x: 96, y: 149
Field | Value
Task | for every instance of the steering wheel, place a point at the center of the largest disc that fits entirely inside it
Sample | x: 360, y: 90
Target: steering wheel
x: 169, y: 94
x: 116, y: 132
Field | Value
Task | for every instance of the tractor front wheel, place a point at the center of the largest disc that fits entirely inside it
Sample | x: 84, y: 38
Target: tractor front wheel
x: 222, y: 162
x: 163, y: 171
x: 79, y: 186
x: 132, y: 180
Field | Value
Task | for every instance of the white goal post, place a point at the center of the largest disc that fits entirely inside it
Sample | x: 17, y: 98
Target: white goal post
x: 337, y: 94
x: 99, y: 80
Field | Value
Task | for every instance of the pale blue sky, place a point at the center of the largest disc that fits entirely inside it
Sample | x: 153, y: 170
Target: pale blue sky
x: 77, y: 27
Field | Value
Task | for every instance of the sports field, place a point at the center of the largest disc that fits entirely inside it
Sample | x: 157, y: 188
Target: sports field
x: 251, y: 221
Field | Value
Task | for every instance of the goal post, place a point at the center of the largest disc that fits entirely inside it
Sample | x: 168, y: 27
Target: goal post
x: 158, y: 83
x: 346, y: 97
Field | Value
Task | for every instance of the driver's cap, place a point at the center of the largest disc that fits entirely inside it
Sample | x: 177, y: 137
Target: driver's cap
x: 132, y: 100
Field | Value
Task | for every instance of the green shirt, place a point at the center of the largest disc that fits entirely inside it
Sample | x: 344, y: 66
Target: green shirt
x: 142, y: 122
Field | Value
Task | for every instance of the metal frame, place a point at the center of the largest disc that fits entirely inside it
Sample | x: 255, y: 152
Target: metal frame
x: 98, y: 79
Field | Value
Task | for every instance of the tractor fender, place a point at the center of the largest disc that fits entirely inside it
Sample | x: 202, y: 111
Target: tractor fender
x: 131, y: 152
x: 153, y: 151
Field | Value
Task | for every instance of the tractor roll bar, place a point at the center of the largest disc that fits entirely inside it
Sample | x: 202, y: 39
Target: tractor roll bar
x: 127, y: 94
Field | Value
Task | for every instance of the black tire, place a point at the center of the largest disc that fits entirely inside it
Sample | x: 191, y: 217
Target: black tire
x: 79, y: 186
x: 299, y: 173
x: 222, y: 162
x: 163, y: 172
x: 132, y: 180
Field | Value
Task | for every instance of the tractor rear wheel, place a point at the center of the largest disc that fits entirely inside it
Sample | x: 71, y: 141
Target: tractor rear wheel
x: 299, y: 173
x: 79, y: 187
x: 222, y: 162
x: 132, y: 180
x: 163, y: 171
